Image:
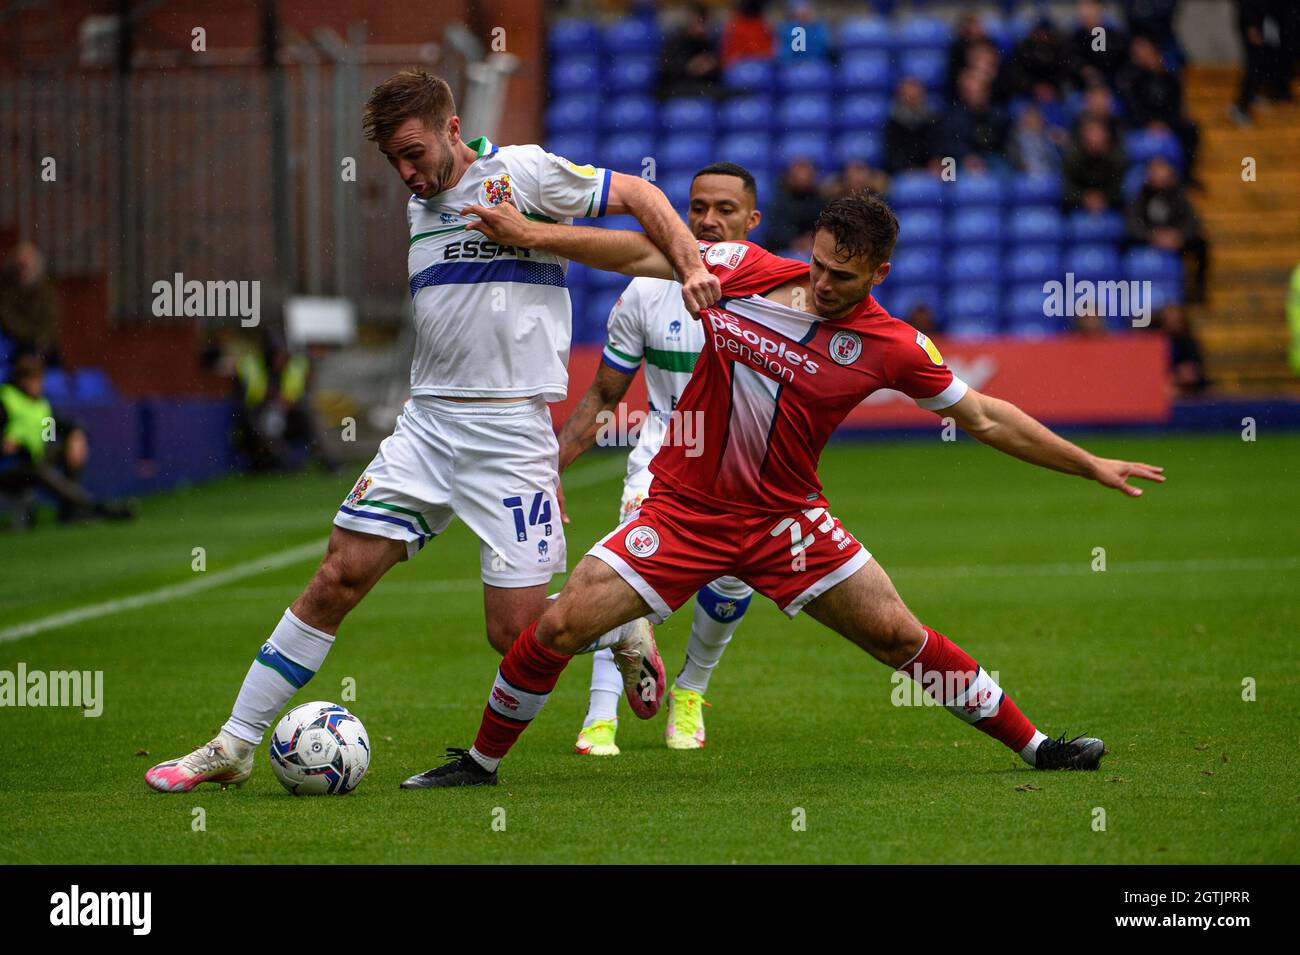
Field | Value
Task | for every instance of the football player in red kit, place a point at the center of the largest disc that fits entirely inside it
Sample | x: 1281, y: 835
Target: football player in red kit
x: 789, y: 350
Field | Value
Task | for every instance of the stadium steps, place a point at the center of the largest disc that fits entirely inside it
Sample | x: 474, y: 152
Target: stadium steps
x: 1254, y: 234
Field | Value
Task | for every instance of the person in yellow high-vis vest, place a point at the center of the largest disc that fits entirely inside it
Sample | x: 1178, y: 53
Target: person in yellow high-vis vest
x: 1293, y: 319
x: 39, y: 451
x: 275, y: 413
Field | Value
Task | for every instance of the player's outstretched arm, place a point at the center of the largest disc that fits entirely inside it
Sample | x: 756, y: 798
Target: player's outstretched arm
x: 580, y: 429
x: 646, y: 201
x: 1002, y: 425
x: 610, y: 250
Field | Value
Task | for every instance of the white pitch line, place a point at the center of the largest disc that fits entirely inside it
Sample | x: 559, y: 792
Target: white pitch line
x: 258, y: 565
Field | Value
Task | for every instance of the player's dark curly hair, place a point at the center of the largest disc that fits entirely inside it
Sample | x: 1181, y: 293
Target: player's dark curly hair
x: 863, y: 226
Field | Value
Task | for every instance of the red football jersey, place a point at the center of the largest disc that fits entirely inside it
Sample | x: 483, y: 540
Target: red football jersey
x: 772, y: 383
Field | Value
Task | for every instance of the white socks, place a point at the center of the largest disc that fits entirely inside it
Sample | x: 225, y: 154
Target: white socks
x: 291, y: 657
x: 719, y: 608
x: 606, y: 688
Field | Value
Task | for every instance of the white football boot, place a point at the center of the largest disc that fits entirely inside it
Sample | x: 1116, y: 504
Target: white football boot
x: 226, y: 760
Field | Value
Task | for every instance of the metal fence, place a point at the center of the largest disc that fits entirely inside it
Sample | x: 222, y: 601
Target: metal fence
x: 164, y: 171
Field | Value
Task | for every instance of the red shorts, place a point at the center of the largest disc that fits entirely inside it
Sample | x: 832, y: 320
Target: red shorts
x: 672, y: 547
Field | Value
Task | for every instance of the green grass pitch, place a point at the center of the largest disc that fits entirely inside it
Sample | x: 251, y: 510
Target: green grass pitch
x: 1199, y: 594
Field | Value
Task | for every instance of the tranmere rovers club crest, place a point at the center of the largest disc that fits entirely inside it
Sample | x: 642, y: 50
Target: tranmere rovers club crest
x: 497, y: 191
x: 359, y: 489
x: 845, y: 347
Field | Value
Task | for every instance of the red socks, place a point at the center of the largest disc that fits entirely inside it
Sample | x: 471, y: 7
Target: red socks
x: 527, y: 675
x: 948, y: 674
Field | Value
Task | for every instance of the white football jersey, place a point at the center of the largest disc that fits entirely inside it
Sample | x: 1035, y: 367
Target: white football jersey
x: 649, y: 323
x: 491, y: 320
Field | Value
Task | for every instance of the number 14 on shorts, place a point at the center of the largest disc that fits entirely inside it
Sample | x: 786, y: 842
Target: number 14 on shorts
x: 539, y: 512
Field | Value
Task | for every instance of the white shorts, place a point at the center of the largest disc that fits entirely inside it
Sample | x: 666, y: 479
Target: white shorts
x: 491, y: 465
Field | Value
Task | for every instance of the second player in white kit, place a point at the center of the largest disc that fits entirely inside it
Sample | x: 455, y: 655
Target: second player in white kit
x: 649, y: 326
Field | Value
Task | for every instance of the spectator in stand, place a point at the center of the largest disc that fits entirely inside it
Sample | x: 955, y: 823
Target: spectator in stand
x: 1040, y: 60
x: 921, y: 317
x: 857, y: 175
x: 912, y: 130
x: 1186, y: 363
x: 1093, y: 170
x: 1034, y: 147
x: 970, y: 31
x: 29, y: 304
x: 1087, y: 321
x: 1153, y: 96
x: 813, y: 42
x: 1154, y: 19
x: 1095, y: 57
x: 789, y: 220
x: 1259, y: 26
x: 975, y: 128
x: 690, y: 65
x: 1099, y: 104
x: 746, y: 35
x: 1161, y: 215
x: 985, y: 58
x: 40, y: 451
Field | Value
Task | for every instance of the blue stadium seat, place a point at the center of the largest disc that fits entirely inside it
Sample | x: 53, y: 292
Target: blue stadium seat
x: 979, y: 224
x: 567, y: 114
x: 745, y: 113
x: 1084, y: 226
x: 6, y: 348
x: 625, y: 152
x: 918, y: 264
x: 922, y: 32
x: 928, y: 66
x: 1036, y: 325
x: 864, y: 144
x: 1146, y: 263
x: 578, y: 148
x: 921, y: 225
x: 901, y: 298
x: 915, y: 189
x: 1035, y: 224
x: 1038, y: 190
x: 973, y: 309
x: 865, y: 72
x: 1039, y: 262
x: 864, y: 33
x: 57, y: 386
x: 677, y: 186
x: 1099, y: 262
x: 629, y: 36
x: 1025, y: 302
x: 688, y: 114
x: 863, y: 111
x: 1143, y: 145
x: 807, y: 111
x: 570, y: 36
x: 602, y: 282
x: 755, y: 76
x: 1133, y: 180
x: 974, y: 264
x: 631, y: 74
x: 973, y: 189
x: 575, y: 74
x: 1164, y: 292
x: 633, y: 114
x: 751, y: 150
x: 803, y: 76
x: 806, y: 145
x: 682, y: 152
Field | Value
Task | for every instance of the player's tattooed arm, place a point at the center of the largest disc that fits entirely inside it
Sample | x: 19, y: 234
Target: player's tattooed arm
x: 1002, y: 425
x: 580, y: 429
x: 610, y: 250
x: 665, y: 228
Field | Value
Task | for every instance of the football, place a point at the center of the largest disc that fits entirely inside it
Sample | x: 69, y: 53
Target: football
x: 319, y: 749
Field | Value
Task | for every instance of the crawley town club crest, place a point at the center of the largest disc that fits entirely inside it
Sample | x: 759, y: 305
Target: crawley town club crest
x: 497, y: 191
x: 359, y: 489
x: 845, y: 347
x: 642, y: 541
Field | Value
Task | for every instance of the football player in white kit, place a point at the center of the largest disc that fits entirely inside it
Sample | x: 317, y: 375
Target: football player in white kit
x: 475, y: 441
x: 648, y: 324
